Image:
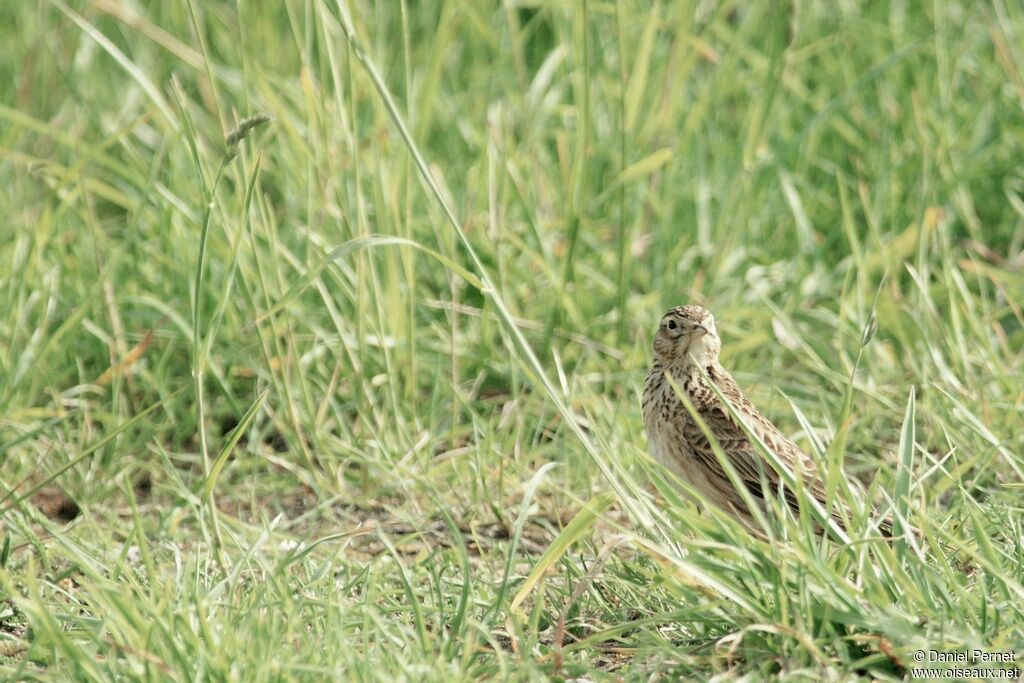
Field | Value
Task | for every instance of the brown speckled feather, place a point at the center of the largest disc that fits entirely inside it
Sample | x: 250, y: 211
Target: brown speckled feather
x: 687, y: 340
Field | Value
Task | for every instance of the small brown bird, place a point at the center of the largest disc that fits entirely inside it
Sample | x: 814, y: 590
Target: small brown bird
x: 686, y: 342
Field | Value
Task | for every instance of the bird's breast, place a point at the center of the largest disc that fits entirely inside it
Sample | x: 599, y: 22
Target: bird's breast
x: 671, y: 431
x: 664, y: 421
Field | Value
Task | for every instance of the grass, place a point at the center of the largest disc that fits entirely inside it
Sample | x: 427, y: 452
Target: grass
x: 356, y: 394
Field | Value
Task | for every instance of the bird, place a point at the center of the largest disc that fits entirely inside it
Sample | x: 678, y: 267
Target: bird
x: 686, y: 349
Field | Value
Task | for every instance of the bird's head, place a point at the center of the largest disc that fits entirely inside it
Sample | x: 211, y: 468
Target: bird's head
x: 687, y: 332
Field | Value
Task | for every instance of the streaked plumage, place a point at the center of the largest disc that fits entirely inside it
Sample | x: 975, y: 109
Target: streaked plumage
x: 687, y: 339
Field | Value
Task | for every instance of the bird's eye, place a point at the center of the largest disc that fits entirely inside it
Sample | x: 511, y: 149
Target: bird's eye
x: 671, y: 324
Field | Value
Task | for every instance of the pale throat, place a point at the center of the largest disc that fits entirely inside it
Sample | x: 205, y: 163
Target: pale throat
x: 688, y: 359
x: 699, y: 354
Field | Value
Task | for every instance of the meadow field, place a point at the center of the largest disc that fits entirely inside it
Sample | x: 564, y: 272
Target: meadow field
x: 324, y: 323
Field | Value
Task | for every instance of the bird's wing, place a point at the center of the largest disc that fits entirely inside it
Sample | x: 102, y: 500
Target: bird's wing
x: 744, y: 456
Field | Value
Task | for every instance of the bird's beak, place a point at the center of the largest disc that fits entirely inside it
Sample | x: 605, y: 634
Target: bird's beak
x: 700, y: 330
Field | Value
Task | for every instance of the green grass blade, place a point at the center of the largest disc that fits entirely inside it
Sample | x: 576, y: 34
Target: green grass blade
x: 573, y: 531
x: 232, y: 441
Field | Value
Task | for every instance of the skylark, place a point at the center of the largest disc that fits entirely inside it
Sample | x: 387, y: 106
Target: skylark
x: 686, y: 342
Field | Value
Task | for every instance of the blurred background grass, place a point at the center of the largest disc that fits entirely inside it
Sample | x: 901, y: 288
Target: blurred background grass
x: 352, y: 404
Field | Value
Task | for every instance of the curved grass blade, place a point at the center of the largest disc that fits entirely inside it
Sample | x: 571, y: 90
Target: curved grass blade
x: 901, y: 494
x: 356, y: 244
x: 573, y: 532
x: 222, y: 457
